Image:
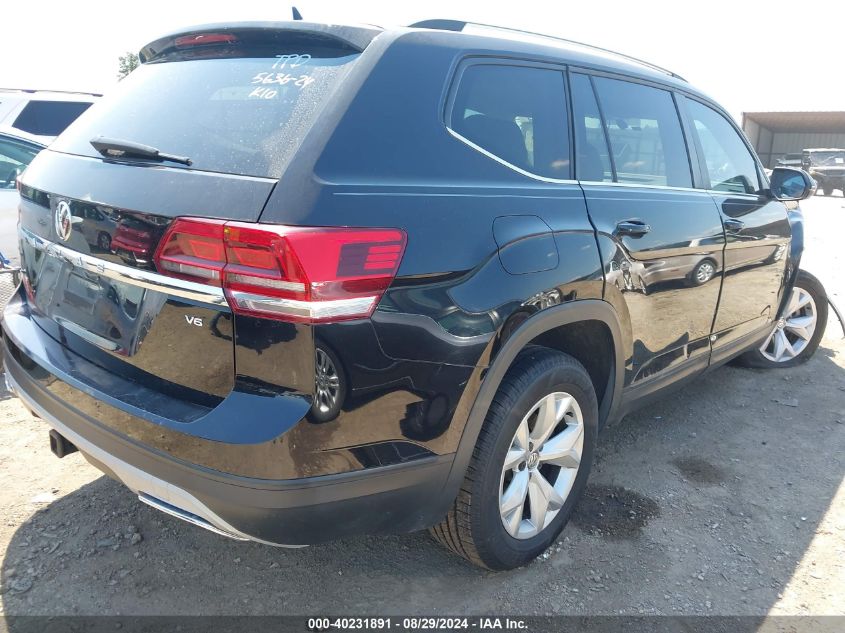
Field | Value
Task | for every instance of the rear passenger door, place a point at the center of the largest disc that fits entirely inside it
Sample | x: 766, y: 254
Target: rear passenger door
x: 756, y: 226
x: 660, y: 239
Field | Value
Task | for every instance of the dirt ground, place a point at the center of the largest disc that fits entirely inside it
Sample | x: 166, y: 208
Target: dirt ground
x: 726, y: 498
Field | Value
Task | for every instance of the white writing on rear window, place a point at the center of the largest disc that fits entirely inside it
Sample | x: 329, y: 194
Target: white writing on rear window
x: 291, y: 61
x: 300, y: 81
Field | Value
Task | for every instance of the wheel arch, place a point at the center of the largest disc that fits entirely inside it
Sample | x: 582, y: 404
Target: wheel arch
x: 535, y: 330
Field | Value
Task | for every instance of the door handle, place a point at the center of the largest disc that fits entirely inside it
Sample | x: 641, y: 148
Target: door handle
x: 734, y: 225
x: 633, y: 228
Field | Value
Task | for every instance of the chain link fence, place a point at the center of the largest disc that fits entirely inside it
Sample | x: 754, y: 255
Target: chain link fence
x: 8, y: 286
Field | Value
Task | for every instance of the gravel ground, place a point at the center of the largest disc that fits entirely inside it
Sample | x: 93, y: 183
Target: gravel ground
x: 726, y: 498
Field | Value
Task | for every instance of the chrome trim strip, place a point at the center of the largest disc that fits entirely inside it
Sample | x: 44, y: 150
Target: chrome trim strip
x: 188, y: 517
x: 143, y: 278
x: 303, y: 309
x: 634, y: 185
x: 480, y: 149
x: 139, y: 481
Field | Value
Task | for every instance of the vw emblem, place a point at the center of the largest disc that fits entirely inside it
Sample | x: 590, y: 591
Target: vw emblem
x: 63, y: 221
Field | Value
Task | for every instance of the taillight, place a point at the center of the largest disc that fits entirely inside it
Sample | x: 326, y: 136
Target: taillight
x: 291, y: 273
x: 193, y: 250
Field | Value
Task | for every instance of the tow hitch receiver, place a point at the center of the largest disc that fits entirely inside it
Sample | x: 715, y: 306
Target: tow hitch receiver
x: 60, y: 446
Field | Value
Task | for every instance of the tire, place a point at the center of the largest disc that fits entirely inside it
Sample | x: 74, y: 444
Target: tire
x: 765, y: 356
x: 704, y: 271
x: 475, y: 526
x: 828, y: 191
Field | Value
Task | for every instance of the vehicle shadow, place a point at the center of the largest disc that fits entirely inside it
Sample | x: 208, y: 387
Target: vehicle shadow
x: 704, y: 503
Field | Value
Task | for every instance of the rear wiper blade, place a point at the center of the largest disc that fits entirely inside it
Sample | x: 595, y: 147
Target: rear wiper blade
x: 118, y: 148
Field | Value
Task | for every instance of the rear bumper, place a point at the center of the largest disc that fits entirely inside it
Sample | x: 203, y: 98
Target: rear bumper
x: 390, y: 499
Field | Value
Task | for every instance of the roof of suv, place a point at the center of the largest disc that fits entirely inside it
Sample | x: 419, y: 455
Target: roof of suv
x: 572, y: 47
x: 455, y: 33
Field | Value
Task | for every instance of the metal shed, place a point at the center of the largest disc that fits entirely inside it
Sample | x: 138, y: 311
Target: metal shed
x: 774, y: 134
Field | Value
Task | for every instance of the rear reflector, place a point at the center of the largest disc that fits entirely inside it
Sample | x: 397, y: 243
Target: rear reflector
x: 285, y: 272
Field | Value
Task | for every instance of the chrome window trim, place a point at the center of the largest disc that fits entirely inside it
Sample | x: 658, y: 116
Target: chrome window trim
x: 732, y: 194
x: 633, y: 185
x: 501, y: 161
x: 156, y: 282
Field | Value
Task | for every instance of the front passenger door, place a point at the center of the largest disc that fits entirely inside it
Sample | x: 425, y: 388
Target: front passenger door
x: 661, y: 240
x: 756, y: 227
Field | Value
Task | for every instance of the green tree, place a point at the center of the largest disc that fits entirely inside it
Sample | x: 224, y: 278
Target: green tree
x: 126, y: 64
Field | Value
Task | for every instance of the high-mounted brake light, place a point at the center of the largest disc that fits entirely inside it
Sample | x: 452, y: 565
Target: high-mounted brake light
x: 204, y: 39
x: 290, y: 273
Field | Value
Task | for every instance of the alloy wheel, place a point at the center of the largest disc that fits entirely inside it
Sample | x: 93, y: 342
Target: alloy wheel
x: 705, y: 272
x: 327, y: 382
x: 793, y: 332
x: 541, y: 465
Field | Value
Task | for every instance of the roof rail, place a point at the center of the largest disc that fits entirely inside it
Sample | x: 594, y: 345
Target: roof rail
x: 458, y: 25
x: 66, y: 92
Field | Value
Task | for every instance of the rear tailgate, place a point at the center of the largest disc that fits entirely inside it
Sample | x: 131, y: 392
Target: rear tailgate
x: 92, y: 281
x: 237, y: 102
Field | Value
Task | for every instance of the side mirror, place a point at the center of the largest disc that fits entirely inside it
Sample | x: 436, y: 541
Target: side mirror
x: 791, y: 184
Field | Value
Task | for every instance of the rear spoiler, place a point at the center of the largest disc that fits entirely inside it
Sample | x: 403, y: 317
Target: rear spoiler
x: 353, y: 38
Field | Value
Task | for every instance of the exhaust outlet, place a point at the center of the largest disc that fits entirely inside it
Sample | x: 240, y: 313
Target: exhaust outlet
x: 60, y: 445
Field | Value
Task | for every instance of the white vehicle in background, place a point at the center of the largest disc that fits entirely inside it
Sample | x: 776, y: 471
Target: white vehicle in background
x: 29, y: 121
x: 41, y: 115
x: 16, y: 152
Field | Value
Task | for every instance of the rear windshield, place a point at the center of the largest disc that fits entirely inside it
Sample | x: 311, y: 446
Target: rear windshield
x: 49, y: 118
x: 238, y: 115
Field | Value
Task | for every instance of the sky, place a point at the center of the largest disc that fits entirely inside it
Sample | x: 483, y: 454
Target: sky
x: 747, y: 54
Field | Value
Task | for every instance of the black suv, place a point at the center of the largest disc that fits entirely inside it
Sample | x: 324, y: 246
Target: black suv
x: 827, y: 167
x: 376, y: 281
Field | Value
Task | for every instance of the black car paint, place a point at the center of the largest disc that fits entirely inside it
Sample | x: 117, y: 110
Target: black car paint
x: 496, y: 260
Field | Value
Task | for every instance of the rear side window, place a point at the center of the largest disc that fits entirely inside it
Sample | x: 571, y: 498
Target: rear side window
x: 593, y: 160
x: 645, y: 134
x: 730, y: 165
x: 516, y: 113
x: 235, y: 114
x: 49, y: 118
